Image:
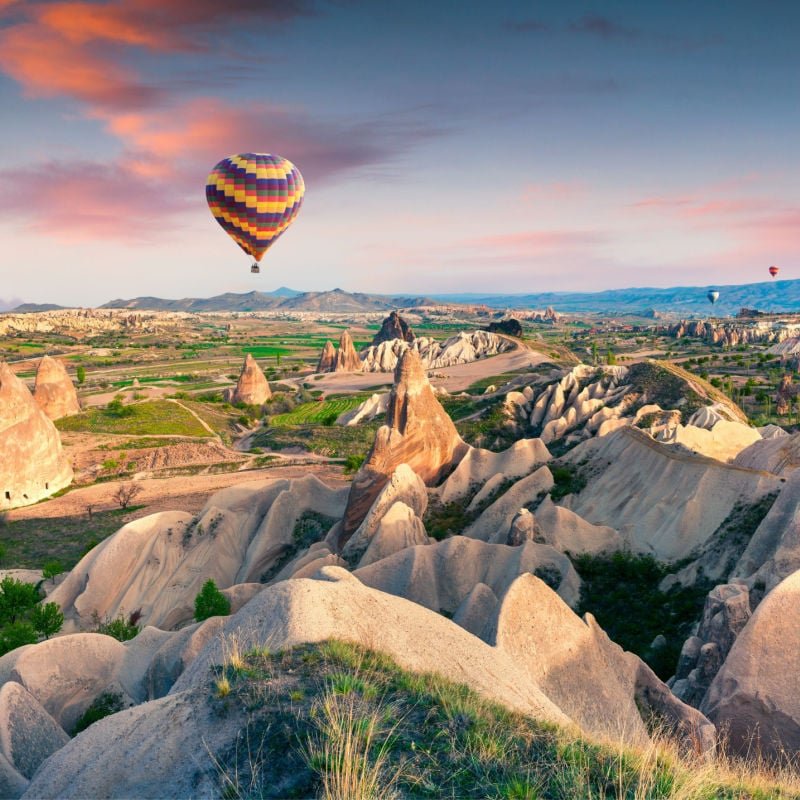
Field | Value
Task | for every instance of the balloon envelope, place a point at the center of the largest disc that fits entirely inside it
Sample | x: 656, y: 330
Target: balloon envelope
x: 713, y: 297
x: 255, y: 197
x: 774, y: 271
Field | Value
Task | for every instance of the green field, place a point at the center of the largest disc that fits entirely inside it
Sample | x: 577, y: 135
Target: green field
x: 151, y: 418
x: 30, y: 543
x: 261, y: 351
x: 317, y: 412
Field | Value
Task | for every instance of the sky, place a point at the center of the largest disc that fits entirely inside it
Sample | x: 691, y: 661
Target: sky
x: 447, y: 146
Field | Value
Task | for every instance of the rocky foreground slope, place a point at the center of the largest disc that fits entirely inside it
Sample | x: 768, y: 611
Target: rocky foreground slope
x: 489, y: 605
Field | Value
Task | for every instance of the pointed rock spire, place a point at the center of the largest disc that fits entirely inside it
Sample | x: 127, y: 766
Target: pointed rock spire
x: 54, y: 390
x: 418, y: 432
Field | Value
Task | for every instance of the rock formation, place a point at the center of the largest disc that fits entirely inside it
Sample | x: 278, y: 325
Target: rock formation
x: 629, y: 464
x: 252, y: 387
x: 510, y: 327
x: 524, y: 528
x: 393, y: 327
x: 157, y: 564
x: 732, y: 334
x: 786, y: 395
x: 462, y: 348
x: 347, y: 359
x: 418, y: 432
x: 327, y: 359
x: 33, y: 464
x: 754, y: 695
x: 726, y: 612
x: 54, y: 391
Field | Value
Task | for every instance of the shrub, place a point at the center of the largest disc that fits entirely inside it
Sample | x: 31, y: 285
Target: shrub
x: 102, y: 706
x: 622, y: 592
x: 52, y: 569
x: 47, y: 619
x: 210, y: 602
x: 120, y: 628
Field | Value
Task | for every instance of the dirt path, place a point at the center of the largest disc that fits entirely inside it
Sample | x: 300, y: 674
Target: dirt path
x: 184, y: 493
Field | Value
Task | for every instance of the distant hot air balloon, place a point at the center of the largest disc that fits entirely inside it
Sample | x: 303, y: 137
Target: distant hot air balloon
x: 713, y: 296
x: 774, y: 271
x: 255, y: 197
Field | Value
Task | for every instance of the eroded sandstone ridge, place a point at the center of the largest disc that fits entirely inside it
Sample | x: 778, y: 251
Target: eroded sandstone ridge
x: 252, y: 387
x: 33, y: 464
x: 418, y: 432
x: 54, y: 391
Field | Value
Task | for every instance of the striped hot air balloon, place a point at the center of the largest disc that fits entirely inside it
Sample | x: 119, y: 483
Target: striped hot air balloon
x: 713, y: 296
x: 774, y: 271
x: 255, y: 198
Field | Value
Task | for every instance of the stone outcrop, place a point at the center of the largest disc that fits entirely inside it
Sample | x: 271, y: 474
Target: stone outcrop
x: 726, y: 612
x: 524, y: 528
x: 393, y: 327
x: 252, y: 387
x: 631, y: 475
x: 347, y: 359
x: 566, y: 655
x: 33, y: 464
x: 732, y: 334
x: 327, y: 359
x: 510, y: 327
x: 463, y: 348
x: 158, y: 564
x: 754, y: 695
x: 418, y: 432
x: 442, y: 575
x: 375, y: 404
x: 54, y: 391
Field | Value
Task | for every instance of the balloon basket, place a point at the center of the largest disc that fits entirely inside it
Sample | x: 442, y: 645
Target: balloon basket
x: 255, y: 269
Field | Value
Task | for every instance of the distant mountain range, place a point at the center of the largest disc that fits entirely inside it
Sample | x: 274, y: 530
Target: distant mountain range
x: 682, y: 301
x: 282, y: 299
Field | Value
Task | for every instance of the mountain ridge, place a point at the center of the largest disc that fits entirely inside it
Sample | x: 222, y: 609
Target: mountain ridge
x: 777, y: 296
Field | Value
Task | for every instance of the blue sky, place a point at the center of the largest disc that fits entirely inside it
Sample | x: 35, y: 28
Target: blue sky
x: 448, y: 146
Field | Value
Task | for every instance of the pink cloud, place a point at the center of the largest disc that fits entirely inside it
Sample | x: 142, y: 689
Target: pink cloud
x: 168, y: 154
x: 535, y: 242
x: 86, y: 200
x: 562, y: 191
x: 48, y: 66
x: 73, y: 49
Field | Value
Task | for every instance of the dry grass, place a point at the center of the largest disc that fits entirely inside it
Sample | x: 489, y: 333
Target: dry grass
x: 336, y: 720
x: 350, y: 748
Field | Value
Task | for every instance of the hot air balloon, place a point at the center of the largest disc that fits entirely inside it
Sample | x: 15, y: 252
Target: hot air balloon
x: 774, y: 271
x: 713, y: 296
x: 255, y: 197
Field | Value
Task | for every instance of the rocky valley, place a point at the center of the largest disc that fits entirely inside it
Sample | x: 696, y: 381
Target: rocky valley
x: 486, y: 534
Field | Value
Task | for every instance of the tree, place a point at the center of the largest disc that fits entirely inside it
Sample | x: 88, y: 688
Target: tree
x: 16, y: 635
x: 51, y: 569
x: 211, y: 602
x: 611, y: 359
x: 16, y: 599
x: 80, y: 373
x: 594, y: 354
x: 47, y: 619
x: 125, y: 493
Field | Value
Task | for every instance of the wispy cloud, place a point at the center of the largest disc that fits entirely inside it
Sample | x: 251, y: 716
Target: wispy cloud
x: 609, y: 29
x: 169, y: 152
x: 169, y: 142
